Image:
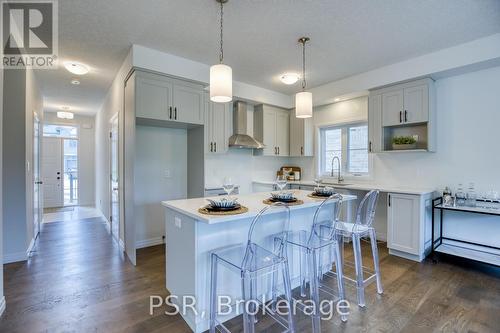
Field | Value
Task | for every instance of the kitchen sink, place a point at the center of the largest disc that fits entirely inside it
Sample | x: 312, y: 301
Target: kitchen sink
x: 336, y: 184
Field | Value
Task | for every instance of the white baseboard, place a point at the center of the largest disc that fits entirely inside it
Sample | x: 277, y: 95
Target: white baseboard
x: 9, y: 258
x: 2, y: 305
x: 148, y: 242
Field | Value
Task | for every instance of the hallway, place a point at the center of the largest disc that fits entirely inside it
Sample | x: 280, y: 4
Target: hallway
x: 77, y: 280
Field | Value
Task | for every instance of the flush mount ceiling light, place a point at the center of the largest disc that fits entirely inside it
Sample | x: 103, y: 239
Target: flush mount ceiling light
x: 289, y: 78
x: 76, y: 67
x: 75, y: 82
x: 221, y: 76
x: 303, y: 99
x: 65, y: 115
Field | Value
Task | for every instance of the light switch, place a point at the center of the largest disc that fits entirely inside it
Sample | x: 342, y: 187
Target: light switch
x: 166, y: 173
x: 178, y: 222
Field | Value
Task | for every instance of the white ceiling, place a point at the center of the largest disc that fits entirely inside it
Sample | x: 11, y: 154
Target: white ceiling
x: 347, y: 37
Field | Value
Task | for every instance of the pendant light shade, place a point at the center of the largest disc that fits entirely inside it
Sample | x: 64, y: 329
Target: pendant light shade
x: 221, y: 76
x: 303, y: 99
x: 221, y: 83
x: 303, y: 104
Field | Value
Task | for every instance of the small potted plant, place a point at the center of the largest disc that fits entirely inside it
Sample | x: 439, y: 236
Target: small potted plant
x: 403, y: 143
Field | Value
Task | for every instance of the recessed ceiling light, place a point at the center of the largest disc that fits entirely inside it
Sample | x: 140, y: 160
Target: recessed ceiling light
x: 75, y: 82
x: 289, y: 78
x: 65, y: 115
x: 76, y: 67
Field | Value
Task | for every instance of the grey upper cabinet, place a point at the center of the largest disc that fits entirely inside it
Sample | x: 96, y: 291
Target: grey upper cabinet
x: 163, y: 98
x: 188, y: 103
x: 406, y: 103
x: 154, y: 98
x: 301, y: 136
x: 272, y: 127
x: 217, y: 126
x: 392, y: 104
x: 375, y: 123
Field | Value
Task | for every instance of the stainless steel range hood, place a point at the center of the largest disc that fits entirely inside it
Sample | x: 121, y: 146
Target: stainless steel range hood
x: 240, y: 138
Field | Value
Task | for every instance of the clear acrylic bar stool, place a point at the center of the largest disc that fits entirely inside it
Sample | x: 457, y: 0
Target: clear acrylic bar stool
x: 251, y: 262
x: 362, y: 227
x: 311, y: 245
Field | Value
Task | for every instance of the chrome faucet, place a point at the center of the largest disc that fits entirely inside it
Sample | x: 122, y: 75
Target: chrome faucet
x: 339, y: 177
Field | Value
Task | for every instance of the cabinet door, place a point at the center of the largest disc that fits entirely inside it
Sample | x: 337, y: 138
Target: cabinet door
x: 392, y: 107
x: 269, y: 132
x: 208, y: 124
x: 154, y: 98
x: 297, y: 135
x: 283, y: 133
x: 375, y: 123
x: 416, y: 104
x: 403, y: 223
x: 220, y: 127
x: 188, y: 104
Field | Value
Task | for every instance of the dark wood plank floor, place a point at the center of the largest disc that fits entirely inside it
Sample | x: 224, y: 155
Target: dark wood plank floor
x: 78, y: 281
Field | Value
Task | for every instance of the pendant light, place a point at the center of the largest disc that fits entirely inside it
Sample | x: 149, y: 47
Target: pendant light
x: 221, y: 76
x: 303, y: 99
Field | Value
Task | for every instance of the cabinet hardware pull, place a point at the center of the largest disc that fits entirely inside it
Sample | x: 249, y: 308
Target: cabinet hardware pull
x: 211, y: 147
x: 170, y: 115
x: 370, y: 146
x: 175, y: 113
x: 406, y: 116
x: 389, y: 200
x: 301, y: 150
x: 400, y: 116
x: 215, y: 146
x: 278, y: 150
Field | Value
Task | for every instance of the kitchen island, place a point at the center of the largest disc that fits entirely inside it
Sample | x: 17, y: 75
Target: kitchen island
x: 191, y: 236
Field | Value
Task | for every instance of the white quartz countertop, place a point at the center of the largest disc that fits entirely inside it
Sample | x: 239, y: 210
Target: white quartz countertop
x: 252, y: 201
x: 361, y: 187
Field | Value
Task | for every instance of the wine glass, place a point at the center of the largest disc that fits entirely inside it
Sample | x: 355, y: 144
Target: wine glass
x: 281, y: 182
x: 228, y: 185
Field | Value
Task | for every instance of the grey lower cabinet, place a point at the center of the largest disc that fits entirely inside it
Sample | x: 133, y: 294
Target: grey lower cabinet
x: 272, y: 127
x: 301, y: 136
x: 409, y: 225
x: 161, y: 97
x: 217, y: 126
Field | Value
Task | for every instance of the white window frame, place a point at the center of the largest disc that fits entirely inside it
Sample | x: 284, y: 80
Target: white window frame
x: 345, y: 156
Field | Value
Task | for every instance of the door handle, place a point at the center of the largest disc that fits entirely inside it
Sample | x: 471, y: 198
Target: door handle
x: 406, y: 116
x: 170, y: 114
x: 175, y: 113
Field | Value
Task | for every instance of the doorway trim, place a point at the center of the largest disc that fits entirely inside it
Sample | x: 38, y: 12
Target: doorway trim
x: 114, y: 120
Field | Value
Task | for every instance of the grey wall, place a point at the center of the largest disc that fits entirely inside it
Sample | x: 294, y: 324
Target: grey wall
x: 22, y: 99
x: 87, y: 154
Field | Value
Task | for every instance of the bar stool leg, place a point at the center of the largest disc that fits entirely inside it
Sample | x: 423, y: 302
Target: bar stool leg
x: 373, y: 241
x: 248, y: 320
x: 358, y: 261
x: 340, y: 273
x: 303, y: 267
x: 213, y: 293
x: 314, y: 290
x: 288, y: 295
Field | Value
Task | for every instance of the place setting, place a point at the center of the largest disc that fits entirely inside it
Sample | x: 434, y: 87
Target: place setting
x: 322, y: 192
x: 226, y: 205
x: 285, y: 197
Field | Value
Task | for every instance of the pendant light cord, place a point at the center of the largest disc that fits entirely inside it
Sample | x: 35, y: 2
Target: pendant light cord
x: 303, y: 65
x: 221, y: 55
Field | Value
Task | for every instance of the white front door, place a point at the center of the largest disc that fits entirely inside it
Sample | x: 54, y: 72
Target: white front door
x: 37, y: 181
x: 52, y: 172
x: 114, y: 190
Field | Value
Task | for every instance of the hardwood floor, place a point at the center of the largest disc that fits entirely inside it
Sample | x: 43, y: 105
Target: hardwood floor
x: 78, y: 281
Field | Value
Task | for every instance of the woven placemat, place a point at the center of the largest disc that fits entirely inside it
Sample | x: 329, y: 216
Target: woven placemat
x: 317, y: 196
x: 205, y: 211
x: 294, y: 203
